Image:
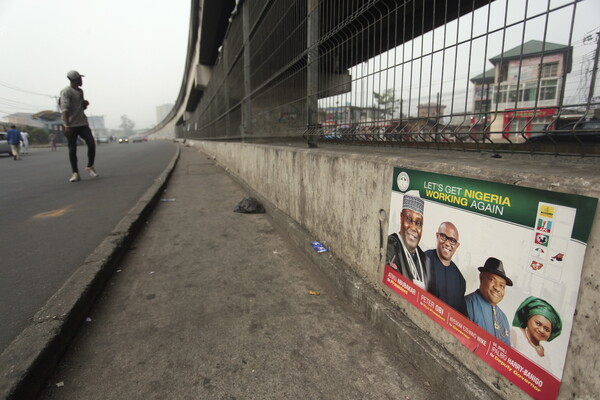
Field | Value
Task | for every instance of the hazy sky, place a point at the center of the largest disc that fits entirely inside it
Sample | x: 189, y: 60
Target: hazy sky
x: 132, y: 54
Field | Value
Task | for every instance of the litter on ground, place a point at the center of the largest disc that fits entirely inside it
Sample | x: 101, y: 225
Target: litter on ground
x: 319, y: 248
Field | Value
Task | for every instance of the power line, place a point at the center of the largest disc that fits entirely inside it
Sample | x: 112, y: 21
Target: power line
x: 15, y: 103
x: 24, y: 90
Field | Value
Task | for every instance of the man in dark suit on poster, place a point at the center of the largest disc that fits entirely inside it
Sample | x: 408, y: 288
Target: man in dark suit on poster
x: 447, y: 282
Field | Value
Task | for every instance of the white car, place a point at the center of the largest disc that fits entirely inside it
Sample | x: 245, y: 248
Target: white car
x: 4, y: 146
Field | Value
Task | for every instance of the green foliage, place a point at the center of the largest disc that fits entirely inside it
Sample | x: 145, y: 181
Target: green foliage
x: 388, y: 102
x: 127, y: 125
x: 36, y: 135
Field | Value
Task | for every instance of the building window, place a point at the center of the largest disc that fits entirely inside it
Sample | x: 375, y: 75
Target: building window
x: 528, y: 94
x: 548, y: 89
x: 518, y: 125
x: 501, y: 93
x: 540, y: 124
x: 512, y: 94
x: 482, y: 106
x: 482, y: 91
x: 508, y: 94
x: 549, y: 70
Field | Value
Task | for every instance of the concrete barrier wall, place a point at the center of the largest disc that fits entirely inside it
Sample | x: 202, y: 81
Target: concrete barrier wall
x: 342, y: 196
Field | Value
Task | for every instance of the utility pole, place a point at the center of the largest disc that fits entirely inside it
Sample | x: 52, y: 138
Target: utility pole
x: 595, y: 70
x: 437, y: 117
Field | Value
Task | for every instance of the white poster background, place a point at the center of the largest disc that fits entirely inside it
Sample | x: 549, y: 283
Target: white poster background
x: 481, y: 237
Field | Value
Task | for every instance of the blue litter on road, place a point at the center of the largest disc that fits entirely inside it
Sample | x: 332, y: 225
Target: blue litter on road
x: 319, y: 248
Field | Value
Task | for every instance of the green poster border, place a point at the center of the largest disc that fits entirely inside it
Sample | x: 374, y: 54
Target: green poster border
x: 523, y: 200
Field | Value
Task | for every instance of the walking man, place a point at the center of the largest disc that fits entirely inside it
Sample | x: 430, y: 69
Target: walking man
x: 72, y: 106
x: 14, y: 139
x: 52, y: 139
x: 25, y: 138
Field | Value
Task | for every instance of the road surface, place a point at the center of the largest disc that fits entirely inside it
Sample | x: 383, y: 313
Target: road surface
x: 48, y: 226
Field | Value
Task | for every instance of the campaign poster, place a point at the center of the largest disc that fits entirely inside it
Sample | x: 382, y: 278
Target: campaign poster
x: 498, y: 266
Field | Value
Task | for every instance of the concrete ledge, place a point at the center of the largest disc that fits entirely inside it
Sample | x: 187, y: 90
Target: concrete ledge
x: 31, y: 358
x: 341, y: 195
x: 447, y: 374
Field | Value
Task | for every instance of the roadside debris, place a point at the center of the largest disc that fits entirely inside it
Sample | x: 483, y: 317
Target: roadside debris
x: 319, y: 248
x: 249, y: 205
x: 88, y: 319
x: 313, y: 293
x: 60, y: 384
x: 167, y: 200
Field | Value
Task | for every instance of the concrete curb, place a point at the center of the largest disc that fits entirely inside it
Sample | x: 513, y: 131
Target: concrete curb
x: 31, y: 358
x: 447, y: 374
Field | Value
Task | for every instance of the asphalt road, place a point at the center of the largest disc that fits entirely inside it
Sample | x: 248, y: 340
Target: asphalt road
x: 48, y: 226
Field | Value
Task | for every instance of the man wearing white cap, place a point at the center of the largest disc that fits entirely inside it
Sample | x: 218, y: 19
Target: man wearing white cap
x: 403, y: 251
x: 72, y: 106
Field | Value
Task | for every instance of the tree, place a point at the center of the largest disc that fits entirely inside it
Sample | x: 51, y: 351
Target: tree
x: 36, y: 135
x: 388, y: 103
x: 127, y: 125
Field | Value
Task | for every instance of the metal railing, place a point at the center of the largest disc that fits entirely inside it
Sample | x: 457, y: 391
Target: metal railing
x: 511, y: 75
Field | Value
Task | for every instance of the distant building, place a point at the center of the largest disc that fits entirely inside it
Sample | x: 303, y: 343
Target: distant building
x: 347, y: 115
x: 23, y: 119
x: 162, y: 112
x: 484, y: 86
x: 430, y: 110
x: 482, y: 100
x: 527, y: 85
x: 97, y: 126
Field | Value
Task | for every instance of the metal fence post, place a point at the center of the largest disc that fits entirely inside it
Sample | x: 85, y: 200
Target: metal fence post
x: 247, y: 103
x: 226, y: 93
x: 312, y: 72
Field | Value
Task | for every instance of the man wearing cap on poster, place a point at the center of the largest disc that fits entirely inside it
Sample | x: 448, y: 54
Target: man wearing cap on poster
x: 482, y: 304
x: 403, y: 251
x: 447, y: 282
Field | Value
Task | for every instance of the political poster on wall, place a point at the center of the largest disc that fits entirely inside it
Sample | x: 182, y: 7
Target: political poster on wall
x: 498, y: 266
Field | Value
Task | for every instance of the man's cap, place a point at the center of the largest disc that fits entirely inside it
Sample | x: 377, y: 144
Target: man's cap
x: 495, y: 266
x: 412, y: 201
x: 72, y: 75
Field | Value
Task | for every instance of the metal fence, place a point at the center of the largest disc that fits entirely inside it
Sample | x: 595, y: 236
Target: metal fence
x: 512, y: 75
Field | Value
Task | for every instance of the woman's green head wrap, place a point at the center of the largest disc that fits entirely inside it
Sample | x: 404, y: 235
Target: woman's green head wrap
x: 536, y: 306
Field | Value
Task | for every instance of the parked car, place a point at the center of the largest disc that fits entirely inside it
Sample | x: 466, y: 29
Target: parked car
x: 4, y: 146
x: 138, y: 139
x: 102, y: 139
x: 124, y: 139
x: 584, y: 131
